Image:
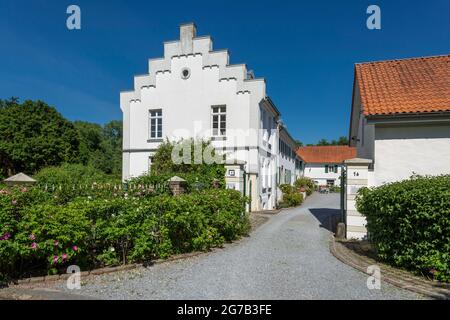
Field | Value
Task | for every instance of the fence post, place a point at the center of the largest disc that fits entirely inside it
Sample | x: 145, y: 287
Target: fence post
x: 357, y: 177
x: 177, y: 185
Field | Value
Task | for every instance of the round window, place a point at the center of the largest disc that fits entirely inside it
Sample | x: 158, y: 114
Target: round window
x: 185, y: 73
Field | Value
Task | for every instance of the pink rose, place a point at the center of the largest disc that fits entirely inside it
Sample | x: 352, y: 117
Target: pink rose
x: 34, y: 245
x: 55, y: 259
x: 32, y: 237
x: 64, y: 257
x: 56, y: 243
x: 6, y: 236
x: 14, y: 202
x: 75, y: 248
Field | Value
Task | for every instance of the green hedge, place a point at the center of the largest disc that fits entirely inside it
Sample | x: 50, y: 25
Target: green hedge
x: 409, y: 223
x: 38, y: 235
x: 72, y: 174
x: 202, y: 174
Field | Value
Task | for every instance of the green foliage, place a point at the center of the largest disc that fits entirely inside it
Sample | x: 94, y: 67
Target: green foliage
x: 71, y: 174
x: 101, y: 147
x: 305, y: 184
x: 69, y: 181
x: 291, y: 196
x: 163, y: 168
x: 409, y: 223
x: 34, y: 135
x: 90, y: 135
x: 38, y: 234
x: 335, y: 189
x: 342, y: 141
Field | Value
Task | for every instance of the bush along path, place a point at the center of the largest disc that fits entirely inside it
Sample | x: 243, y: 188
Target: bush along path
x: 409, y: 224
x: 286, y: 258
x: 40, y: 236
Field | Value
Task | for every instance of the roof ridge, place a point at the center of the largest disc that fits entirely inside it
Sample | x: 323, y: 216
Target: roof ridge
x: 403, y: 59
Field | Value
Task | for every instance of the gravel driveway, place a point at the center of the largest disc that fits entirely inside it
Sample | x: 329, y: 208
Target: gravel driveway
x: 286, y: 258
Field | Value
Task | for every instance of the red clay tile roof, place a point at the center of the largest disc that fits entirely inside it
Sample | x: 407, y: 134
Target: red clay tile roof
x: 416, y: 85
x: 326, y: 154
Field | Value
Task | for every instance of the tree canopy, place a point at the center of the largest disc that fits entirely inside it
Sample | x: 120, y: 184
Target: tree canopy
x: 342, y: 141
x: 34, y: 135
x: 101, y: 146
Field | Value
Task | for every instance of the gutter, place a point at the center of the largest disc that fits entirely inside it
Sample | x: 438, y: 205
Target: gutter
x: 417, y: 117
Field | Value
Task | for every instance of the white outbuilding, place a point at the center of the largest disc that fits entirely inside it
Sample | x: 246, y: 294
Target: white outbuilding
x: 400, y: 125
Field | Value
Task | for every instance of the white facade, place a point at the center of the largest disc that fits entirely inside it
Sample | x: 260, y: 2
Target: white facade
x: 403, y: 151
x: 323, y: 174
x: 193, y: 91
x: 403, y: 148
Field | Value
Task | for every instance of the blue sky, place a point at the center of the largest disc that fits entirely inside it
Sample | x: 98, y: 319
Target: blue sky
x: 305, y: 49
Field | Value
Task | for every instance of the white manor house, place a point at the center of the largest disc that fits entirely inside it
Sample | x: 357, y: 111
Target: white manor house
x: 193, y: 92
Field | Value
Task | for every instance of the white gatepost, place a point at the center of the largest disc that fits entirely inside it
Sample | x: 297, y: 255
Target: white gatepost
x: 357, y: 177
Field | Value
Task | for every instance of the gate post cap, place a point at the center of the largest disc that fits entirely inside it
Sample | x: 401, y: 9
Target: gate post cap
x: 361, y: 161
x: 176, y: 179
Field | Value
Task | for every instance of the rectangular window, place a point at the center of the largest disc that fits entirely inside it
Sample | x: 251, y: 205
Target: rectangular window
x: 288, y: 176
x: 155, y: 124
x: 219, y: 120
x: 326, y: 168
x: 335, y: 169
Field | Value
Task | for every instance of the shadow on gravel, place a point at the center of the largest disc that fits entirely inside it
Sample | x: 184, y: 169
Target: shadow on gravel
x: 327, y: 217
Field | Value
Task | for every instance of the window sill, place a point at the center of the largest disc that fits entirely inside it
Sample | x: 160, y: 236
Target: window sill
x: 218, y: 138
x: 155, y: 140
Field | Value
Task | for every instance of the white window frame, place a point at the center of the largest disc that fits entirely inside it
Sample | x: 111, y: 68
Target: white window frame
x: 155, y: 114
x: 221, y: 114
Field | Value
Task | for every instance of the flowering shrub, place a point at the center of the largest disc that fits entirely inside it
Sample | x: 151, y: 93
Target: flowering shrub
x: 38, y: 234
x: 306, y: 184
x: 409, y: 223
x: 291, y: 196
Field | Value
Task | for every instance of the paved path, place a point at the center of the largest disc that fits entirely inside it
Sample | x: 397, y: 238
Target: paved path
x: 286, y: 258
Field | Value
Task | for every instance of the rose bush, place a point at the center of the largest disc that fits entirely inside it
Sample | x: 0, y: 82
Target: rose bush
x: 39, y: 235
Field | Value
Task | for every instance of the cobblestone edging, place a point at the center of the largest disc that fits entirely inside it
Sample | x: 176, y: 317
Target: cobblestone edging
x: 100, y: 271
x: 397, y: 277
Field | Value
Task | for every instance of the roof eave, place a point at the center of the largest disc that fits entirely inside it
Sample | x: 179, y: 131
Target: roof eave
x: 271, y: 105
x: 438, y: 116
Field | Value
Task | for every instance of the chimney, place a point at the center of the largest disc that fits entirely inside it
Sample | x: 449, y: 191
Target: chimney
x: 188, y: 32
